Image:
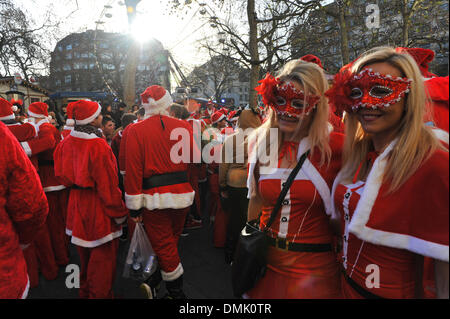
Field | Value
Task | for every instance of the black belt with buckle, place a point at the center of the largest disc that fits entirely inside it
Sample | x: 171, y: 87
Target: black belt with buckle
x: 164, y: 180
x: 283, y: 244
x: 360, y: 290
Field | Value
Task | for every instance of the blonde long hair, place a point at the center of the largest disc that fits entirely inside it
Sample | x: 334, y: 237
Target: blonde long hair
x: 416, y: 142
x: 313, y: 81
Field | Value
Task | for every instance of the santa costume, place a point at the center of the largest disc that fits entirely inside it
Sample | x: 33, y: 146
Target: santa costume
x: 156, y: 184
x: 68, y: 127
x: 23, y: 210
x: 85, y: 162
x: 385, y: 233
x: 301, y: 260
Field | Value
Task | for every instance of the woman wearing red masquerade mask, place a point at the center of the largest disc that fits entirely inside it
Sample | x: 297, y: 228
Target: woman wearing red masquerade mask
x: 298, y: 113
x: 391, y: 196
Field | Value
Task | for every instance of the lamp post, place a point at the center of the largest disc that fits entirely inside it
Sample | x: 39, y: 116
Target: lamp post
x: 129, y: 85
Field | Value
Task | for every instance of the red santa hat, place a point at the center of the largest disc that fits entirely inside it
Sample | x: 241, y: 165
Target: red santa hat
x: 422, y: 57
x: 6, y: 110
x: 217, y: 117
x: 38, y: 110
x: 69, y: 111
x: 84, y: 112
x: 155, y: 99
x: 312, y: 58
x: 224, y: 111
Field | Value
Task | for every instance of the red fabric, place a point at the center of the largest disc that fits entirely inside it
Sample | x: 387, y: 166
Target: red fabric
x: 32, y: 265
x: 438, y: 91
x: 220, y: 216
x: 44, y: 141
x: 23, y: 209
x: 163, y: 228
x: 298, y: 275
x: 122, y: 148
x: 422, y: 57
x: 66, y: 132
x: 90, y: 163
x: 115, y: 144
x: 98, y: 269
x: 56, y: 224
x: 154, y: 157
x: 23, y: 132
x: 44, y: 253
x: 193, y: 175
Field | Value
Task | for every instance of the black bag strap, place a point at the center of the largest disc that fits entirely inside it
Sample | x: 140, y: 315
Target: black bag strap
x: 285, y: 189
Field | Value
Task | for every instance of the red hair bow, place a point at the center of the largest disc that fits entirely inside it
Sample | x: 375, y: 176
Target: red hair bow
x: 20, y: 102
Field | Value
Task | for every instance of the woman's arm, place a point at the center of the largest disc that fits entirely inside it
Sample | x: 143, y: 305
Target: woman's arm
x: 254, y: 207
x: 441, y: 276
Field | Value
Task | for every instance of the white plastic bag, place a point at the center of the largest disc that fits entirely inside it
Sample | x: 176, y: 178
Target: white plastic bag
x: 141, y: 260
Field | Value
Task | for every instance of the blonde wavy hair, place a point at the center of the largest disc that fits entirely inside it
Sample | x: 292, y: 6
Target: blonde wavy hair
x: 416, y: 142
x: 312, y: 78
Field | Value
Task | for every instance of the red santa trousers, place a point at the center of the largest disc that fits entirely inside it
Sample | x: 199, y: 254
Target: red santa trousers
x: 221, y: 216
x: 56, y: 223
x: 163, y: 228
x: 98, y: 269
x: 39, y: 256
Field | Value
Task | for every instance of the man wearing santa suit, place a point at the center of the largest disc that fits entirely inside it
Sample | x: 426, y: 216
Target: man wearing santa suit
x: 209, y: 111
x: 23, y: 132
x: 23, y: 210
x: 391, y: 196
x: 85, y: 162
x: 68, y: 127
x: 157, y: 190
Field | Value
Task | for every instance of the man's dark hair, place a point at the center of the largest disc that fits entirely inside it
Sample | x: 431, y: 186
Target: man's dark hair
x: 106, y: 119
x: 140, y: 112
x: 127, y: 119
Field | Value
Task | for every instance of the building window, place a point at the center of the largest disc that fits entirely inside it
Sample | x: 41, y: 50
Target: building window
x: 35, y: 99
x: 69, y: 56
x: 69, y: 47
x: 58, y: 83
x: 103, y: 45
x: 66, y: 67
x: 84, y: 55
x: 68, y: 79
x: 60, y: 48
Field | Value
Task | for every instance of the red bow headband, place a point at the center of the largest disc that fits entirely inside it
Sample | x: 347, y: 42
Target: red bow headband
x: 20, y: 102
x: 366, y: 89
x: 284, y: 98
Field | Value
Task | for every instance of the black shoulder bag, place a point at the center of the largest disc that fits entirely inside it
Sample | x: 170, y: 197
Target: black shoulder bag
x: 250, y: 259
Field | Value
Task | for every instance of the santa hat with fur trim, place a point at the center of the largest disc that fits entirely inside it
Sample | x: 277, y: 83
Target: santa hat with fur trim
x: 69, y: 111
x: 38, y: 110
x: 217, y: 117
x: 84, y: 112
x: 156, y: 99
x: 6, y: 110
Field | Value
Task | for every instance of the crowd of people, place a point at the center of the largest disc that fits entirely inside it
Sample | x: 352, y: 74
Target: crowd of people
x: 365, y: 217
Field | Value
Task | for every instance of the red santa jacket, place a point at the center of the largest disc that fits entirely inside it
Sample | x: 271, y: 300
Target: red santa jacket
x: 23, y: 132
x: 86, y: 163
x: 23, y: 209
x: 43, y: 141
x: 437, y: 89
x: 151, y: 150
x: 45, y: 159
x: 66, y: 131
x: 115, y: 144
x: 122, y: 151
x: 414, y: 217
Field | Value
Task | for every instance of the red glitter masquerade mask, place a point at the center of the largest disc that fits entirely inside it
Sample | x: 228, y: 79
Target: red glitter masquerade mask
x: 366, y: 89
x: 284, y: 98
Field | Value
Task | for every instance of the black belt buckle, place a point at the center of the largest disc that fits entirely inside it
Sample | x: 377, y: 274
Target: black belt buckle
x: 282, y: 244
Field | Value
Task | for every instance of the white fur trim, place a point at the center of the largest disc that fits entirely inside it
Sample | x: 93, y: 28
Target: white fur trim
x: 70, y: 122
x: 83, y: 135
x: 95, y: 243
x: 134, y: 202
x: 173, y: 275
x: 26, y: 148
x: 319, y: 183
x: 159, y: 201
x: 219, y: 119
x: 68, y: 232
x: 54, y: 188
x: 441, y: 135
x: 38, y: 124
x: 38, y: 116
x: 335, y: 213
x: 7, y: 117
x: 90, y: 118
x: 154, y: 107
x: 122, y: 173
x: 364, y: 207
x: 27, y: 288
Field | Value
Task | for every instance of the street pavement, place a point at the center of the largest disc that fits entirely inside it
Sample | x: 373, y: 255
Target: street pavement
x: 206, y: 275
